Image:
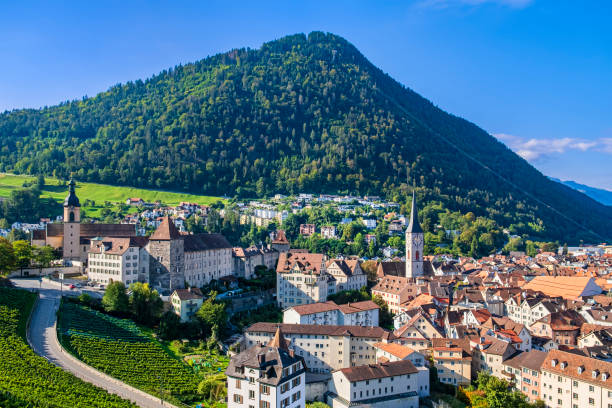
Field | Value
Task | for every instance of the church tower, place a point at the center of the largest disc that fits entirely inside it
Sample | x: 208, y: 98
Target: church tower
x: 414, y: 244
x: 72, y: 224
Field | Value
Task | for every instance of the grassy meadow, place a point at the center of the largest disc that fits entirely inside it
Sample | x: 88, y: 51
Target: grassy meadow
x: 99, y: 193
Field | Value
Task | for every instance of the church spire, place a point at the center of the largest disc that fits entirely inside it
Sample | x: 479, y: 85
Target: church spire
x: 71, y: 200
x: 414, y: 226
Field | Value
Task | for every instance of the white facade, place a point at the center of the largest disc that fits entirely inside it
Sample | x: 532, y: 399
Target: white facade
x: 381, y: 392
x: 201, y: 267
x: 328, y: 313
x: 112, y: 266
x: 250, y: 392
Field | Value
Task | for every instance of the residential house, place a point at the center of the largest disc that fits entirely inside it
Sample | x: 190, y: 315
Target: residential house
x: 186, y: 302
x: 524, y: 372
x: 118, y: 260
x: 329, y: 313
x: 396, y: 352
x: 453, y: 360
x: 348, y: 274
x: 307, y: 229
x: 267, y: 376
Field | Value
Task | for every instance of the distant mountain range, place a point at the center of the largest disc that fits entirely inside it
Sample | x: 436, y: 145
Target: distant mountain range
x: 598, y: 194
x: 304, y: 113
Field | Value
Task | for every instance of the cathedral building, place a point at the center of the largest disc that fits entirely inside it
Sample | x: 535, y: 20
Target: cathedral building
x: 71, y: 236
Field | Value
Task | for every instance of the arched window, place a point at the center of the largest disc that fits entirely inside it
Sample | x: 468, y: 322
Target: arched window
x: 71, y: 217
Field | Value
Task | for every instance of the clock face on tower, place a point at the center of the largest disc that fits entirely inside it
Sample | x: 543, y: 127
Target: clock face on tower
x: 417, y: 240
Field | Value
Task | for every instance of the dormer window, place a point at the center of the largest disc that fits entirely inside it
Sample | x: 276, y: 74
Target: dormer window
x: 595, y: 373
x: 554, y: 363
x: 563, y: 365
x: 580, y: 369
x: 604, y: 376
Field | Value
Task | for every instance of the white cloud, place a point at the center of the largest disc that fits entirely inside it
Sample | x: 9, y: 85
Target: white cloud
x: 534, y: 149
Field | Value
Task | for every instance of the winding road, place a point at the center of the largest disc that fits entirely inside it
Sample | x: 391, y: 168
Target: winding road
x: 43, y: 339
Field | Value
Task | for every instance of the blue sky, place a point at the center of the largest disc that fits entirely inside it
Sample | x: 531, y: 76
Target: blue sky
x: 535, y: 73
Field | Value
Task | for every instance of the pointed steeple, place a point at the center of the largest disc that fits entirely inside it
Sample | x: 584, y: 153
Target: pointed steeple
x: 414, y: 226
x: 279, y: 340
x: 71, y: 200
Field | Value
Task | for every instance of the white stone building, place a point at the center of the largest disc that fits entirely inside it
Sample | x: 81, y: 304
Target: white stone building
x: 302, y: 278
x: 267, y: 376
x: 324, y: 348
x: 384, y: 385
x: 573, y: 381
x: 118, y: 260
x: 348, y: 274
x: 364, y: 313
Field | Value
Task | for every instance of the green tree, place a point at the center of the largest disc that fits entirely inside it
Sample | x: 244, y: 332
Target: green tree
x: 44, y: 255
x: 23, y: 253
x: 145, y: 303
x: 212, y: 315
x: 8, y: 260
x: 169, y: 326
x: 385, y: 316
x: 115, y: 298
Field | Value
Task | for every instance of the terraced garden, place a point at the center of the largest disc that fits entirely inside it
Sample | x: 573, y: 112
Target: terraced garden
x: 120, y: 349
x: 28, y: 380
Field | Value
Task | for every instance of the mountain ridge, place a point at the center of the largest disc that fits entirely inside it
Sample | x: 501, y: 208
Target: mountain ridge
x: 301, y: 113
x: 598, y: 194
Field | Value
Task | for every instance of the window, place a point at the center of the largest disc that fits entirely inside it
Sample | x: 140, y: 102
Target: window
x: 285, y: 387
x: 591, y: 388
x: 295, y: 382
x: 238, y: 399
x: 295, y: 397
x: 591, y: 401
x: 285, y: 402
x: 264, y: 404
x: 238, y: 383
x: 251, y: 394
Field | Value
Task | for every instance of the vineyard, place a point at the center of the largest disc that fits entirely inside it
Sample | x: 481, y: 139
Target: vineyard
x: 120, y: 349
x: 28, y: 380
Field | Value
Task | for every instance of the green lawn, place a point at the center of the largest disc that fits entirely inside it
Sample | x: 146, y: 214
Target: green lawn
x: 100, y: 193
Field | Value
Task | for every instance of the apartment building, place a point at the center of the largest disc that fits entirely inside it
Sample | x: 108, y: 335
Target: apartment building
x: 524, y: 372
x: 394, y: 290
x: 393, y: 384
x: 488, y: 354
x: 527, y: 311
x: 324, y: 348
x: 302, y: 278
x: 348, y: 274
x: 364, y: 313
x: 576, y: 381
x: 453, y: 360
x: 266, y: 376
x: 118, y: 260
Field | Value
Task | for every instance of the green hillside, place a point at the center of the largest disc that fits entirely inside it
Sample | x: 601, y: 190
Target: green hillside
x: 300, y: 114
x: 98, y: 194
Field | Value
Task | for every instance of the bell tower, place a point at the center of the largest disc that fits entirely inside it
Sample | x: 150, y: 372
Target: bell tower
x: 414, y: 243
x: 72, y: 224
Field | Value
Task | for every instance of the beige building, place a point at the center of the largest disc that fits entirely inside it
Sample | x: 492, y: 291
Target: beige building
x: 186, y: 302
x: 324, y: 348
x: 348, y: 274
x: 302, y: 278
x: 453, y: 360
x: 489, y: 354
x: 574, y: 381
x: 118, y: 260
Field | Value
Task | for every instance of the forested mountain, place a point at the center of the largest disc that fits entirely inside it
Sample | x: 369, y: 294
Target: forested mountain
x: 300, y: 114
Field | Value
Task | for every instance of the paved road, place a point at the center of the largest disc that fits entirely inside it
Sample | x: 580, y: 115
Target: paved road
x: 43, y: 339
